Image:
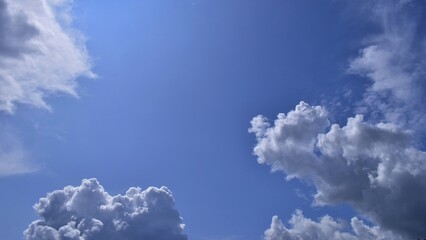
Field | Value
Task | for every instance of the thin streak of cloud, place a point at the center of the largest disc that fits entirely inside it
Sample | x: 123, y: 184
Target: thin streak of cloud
x: 14, y: 158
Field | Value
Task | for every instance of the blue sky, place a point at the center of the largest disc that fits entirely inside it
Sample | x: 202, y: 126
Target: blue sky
x: 177, y: 84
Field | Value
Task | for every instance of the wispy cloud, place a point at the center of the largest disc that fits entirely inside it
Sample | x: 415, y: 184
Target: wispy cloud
x: 394, y: 62
x: 14, y: 158
x: 40, y: 54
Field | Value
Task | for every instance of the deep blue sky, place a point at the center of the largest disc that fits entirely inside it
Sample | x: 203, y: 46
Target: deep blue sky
x: 179, y: 82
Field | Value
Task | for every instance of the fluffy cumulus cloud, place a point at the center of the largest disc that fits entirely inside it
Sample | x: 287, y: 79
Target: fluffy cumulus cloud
x: 325, y: 229
x: 372, y: 167
x: 376, y: 166
x: 40, y: 54
x: 88, y: 212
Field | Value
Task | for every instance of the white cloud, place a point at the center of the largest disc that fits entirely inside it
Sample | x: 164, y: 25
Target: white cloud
x: 88, y: 212
x: 393, y: 60
x: 374, y: 168
x: 292, y: 138
x: 325, y: 229
x: 40, y: 54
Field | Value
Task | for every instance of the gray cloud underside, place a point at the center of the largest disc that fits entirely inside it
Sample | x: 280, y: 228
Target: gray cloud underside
x: 15, y: 31
x: 88, y: 212
x: 373, y: 167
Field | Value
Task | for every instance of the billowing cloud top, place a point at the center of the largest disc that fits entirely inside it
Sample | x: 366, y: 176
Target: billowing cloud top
x: 39, y: 53
x: 374, y: 168
x: 88, y: 212
x: 325, y: 229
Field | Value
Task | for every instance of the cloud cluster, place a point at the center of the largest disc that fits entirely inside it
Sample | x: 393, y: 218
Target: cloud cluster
x: 39, y: 53
x: 372, y: 167
x: 325, y: 229
x: 88, y: 212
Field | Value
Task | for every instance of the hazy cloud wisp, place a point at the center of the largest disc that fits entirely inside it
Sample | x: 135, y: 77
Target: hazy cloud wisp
x: 14, y: 158
x: 394, y: 62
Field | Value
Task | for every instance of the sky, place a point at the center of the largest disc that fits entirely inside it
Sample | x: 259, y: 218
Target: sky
x: 212, y: 120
